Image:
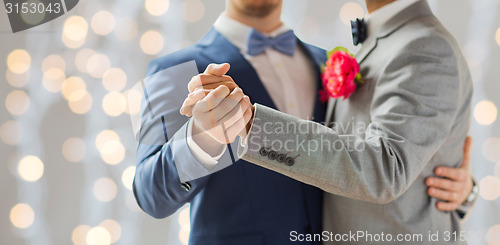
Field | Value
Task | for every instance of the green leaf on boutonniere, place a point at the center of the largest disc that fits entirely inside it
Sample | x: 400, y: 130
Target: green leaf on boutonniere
x: 359, y: 79
x: 340, y: 48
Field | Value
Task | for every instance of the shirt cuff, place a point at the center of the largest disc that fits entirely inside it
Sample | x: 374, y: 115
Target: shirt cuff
x: 205, y: 158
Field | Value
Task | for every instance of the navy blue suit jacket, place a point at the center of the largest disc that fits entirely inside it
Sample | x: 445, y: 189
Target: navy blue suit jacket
x: 240, y: 204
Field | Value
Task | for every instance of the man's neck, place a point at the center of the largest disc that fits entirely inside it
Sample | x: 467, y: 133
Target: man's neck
x: 265, y: 24
x: 373, y: 5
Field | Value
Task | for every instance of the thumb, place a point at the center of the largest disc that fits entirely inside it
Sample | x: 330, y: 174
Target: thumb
x: 466, y: 157
x: 217, y: 69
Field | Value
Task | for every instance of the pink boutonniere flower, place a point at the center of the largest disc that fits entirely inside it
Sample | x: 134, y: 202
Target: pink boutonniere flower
x: 340, y: 75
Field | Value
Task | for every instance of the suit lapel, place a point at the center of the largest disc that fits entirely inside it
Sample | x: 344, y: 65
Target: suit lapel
x: 318, y: 56
x: 219, y: 50
x: 368, y: 46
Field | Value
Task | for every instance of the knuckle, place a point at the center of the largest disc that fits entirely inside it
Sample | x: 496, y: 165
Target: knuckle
x: 438, y: 182
x: 227, y: 78
x: 238, y: 95
x: 462, y: 175
x: 202, y: 77
x: 454, y: 196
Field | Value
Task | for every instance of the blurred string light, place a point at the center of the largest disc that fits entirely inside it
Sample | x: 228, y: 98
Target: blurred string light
x: 98, y: 236
x: 151, y: 42
x: 114, y: 104
x: 105, y: 136
x: 112, y: 152
x: 193, y: 10
x: 17, y: 102
x: 128, y: 177
x: 74, y: 149
x: 185, y: 225
x: 497, y: 36
x: 156, y: 7
x: 53, y: 61
x: 18, y: 61
x: 114, y: 229
x: 75, y: 31
x: 107, y: 232
x: 114, y: 80
x: 351, y: 11
x: 17, y: 80
x: 53, y: 79
x: 103, y: 23
x: 489, y: 188
x: 30, y: 168
x: 110, y: 147
x: 82, y: 59
x: 79, y: 235
x: 80, y: 102
x: 22, y: 216
x: 97, y: 65
x: 105, y: 190
x: 493, y: 235
x: 491, y: 149
x: 485, y: 112
x: 126, y: 29
x: 73, y: 85
x: 11, y: 132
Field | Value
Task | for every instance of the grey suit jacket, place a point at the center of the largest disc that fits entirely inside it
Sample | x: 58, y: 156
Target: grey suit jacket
x: 411, y: 115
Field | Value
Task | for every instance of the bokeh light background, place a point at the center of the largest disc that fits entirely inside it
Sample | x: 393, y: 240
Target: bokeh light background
x: 66, y: 143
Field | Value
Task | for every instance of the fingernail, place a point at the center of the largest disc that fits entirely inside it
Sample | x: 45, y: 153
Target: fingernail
x: 439, y: 171
x: 430, y: 181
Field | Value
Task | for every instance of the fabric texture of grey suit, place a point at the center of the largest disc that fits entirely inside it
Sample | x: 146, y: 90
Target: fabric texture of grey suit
x: 411, y: 114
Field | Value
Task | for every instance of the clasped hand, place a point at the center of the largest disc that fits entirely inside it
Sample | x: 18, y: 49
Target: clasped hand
x: 218, y: 107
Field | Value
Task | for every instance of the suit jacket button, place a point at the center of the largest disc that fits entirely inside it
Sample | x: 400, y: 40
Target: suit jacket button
x: 186, y: 186
x: 281, y: 158
x: 289, y: 161
x: 263, y: 151
x: 272, y: 155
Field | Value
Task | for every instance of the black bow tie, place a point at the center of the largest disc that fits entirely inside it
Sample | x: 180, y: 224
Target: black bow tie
x: 358, y: 27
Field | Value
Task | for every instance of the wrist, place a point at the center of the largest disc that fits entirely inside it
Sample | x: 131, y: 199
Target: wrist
x: 472, y: 196
x: 205, y: 141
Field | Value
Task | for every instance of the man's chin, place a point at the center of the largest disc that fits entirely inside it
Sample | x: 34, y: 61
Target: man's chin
x: 258, y: 9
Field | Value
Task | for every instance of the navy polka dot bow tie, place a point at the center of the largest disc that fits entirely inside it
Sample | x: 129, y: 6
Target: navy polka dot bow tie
x: 358, y: 28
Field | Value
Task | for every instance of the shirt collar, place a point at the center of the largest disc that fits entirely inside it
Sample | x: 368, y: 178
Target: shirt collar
x: 237, y: 33
x: 378, y: 18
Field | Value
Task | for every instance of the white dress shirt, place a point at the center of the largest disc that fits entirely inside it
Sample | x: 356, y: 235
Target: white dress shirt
x: 379, y: 17
x: 290, y: 81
